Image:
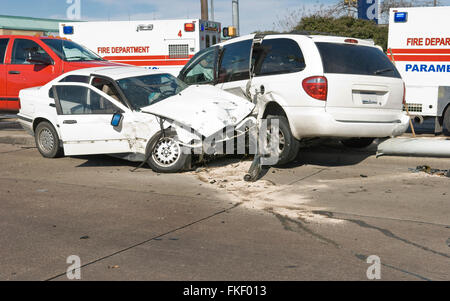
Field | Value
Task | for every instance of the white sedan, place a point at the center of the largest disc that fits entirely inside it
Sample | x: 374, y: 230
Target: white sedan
x: 129, y: 112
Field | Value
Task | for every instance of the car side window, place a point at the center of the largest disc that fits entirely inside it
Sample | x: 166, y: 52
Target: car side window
x: 107, y: 87
x: 278, y: 56
x: 3, y: 45
x: 23, y: 49
x: 235, y: 62
x: 201, y: 68
x: 70, y: 79
x: 75, y: 79
x: 76, y: 100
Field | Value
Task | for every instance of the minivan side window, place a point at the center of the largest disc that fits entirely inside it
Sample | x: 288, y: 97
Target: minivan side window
x: 201, y: 68
x: 279, y: 56
x: 235, y: 62
x: 3, y: 45
x: 22, y: 50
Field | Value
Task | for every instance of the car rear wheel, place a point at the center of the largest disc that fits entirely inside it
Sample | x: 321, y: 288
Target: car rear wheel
x: 288, y: 145
x: 167, y: 154
x: 357, y: 142
x: 47, y: 140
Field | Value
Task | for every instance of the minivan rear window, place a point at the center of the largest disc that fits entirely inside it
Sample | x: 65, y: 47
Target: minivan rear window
x: 355, y: 59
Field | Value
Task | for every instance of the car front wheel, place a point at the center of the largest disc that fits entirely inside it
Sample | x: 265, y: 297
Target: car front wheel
x: 167, y: 155
x: 47, y: 140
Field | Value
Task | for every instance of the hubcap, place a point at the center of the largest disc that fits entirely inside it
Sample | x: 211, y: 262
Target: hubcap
x: 46, y: 140
x: 281, y: 141
x: 166, y: 152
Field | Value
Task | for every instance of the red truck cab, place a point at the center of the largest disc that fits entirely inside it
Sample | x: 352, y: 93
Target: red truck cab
x: 27, y: 61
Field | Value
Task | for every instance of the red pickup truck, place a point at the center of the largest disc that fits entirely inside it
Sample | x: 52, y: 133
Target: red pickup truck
x: 27, y: 61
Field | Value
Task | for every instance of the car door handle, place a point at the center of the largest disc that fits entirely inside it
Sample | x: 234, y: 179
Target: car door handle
x: 14, y: 72
x: 52, y: 105
x: 69, y: 121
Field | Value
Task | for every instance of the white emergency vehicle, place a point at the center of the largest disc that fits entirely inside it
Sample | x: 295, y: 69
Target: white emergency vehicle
x: 419, y: 44
x: 156, y: 44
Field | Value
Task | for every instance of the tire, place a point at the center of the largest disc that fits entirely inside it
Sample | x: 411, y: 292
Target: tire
x: 446, y: 120
x: 166, y: 155
x: 289, y: 146
x: 357, y: 142
x: 47, y: 140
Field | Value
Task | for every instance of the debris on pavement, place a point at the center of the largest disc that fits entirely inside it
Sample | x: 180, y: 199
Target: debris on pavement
x: 432, y: 171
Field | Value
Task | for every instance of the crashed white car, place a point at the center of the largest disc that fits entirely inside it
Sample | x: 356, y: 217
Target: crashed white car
x: 129, y: 112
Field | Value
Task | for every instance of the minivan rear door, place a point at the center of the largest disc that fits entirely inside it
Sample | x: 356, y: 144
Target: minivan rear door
x: 360, y: 77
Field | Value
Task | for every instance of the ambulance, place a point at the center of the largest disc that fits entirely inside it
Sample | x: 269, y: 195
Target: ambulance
x: 419, y: 44
x: 166, y: 45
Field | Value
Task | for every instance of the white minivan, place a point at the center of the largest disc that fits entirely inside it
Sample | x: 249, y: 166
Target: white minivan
x: 316, y: 86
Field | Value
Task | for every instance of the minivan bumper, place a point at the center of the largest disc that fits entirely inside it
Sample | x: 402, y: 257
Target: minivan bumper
x: 316, y: 122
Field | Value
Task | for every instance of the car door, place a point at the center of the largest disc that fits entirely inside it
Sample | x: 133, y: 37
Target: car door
x: 84, y: 120
x: 278, y: 63
x: 24, y: 74
x: 3, y: 98
x: 202, y: 68
x: 234, y: 65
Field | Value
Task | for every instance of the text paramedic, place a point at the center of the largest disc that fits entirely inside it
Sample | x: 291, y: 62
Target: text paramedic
x: 133, y: 49
x: 426, y: 68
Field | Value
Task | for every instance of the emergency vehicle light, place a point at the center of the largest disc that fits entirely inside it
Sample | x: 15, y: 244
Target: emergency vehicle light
x: 68, y: 29
x: 400, y: 17
x: 189, y: 27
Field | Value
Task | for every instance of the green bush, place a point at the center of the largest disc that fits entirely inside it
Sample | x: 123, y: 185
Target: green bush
x: 345, y: 26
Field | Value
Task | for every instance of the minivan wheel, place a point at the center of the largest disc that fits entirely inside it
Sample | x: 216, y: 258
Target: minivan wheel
x: 357, y: 142
x: 289, y: 146
x: 167, y: 154
x: 47, y: 140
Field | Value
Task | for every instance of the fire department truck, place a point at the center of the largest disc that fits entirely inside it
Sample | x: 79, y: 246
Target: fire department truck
x: 419, y: 44
x: 155, y: 44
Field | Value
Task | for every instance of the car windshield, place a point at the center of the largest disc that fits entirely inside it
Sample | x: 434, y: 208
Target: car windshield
x: 71, y: 51
x: 142, y: 91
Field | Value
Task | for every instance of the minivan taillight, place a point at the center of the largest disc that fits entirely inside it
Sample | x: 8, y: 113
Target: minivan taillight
x: 316, y: 87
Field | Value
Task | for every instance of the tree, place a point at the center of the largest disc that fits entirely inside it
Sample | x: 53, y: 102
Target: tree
x: 344, y: 26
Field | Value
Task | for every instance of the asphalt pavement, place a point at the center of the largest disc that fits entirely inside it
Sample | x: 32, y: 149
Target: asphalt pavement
x: 319, y: 218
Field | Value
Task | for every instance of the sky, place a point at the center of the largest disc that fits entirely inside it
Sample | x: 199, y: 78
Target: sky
x: 254, y: 14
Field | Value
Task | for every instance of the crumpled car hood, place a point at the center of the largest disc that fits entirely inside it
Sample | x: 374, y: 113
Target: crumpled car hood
x: 206, y: 109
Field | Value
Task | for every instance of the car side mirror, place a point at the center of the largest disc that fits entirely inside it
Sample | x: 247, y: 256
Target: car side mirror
x: 116, y: 119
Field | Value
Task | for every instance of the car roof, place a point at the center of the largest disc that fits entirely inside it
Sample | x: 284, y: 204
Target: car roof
x: 115, y: 72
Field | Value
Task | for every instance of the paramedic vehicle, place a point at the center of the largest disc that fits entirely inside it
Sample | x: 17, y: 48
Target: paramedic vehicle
x: 133, y: 113
x: 316, y: 86
x: 156, y: 44
x: 419, y: 40
x: 30, y: 61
